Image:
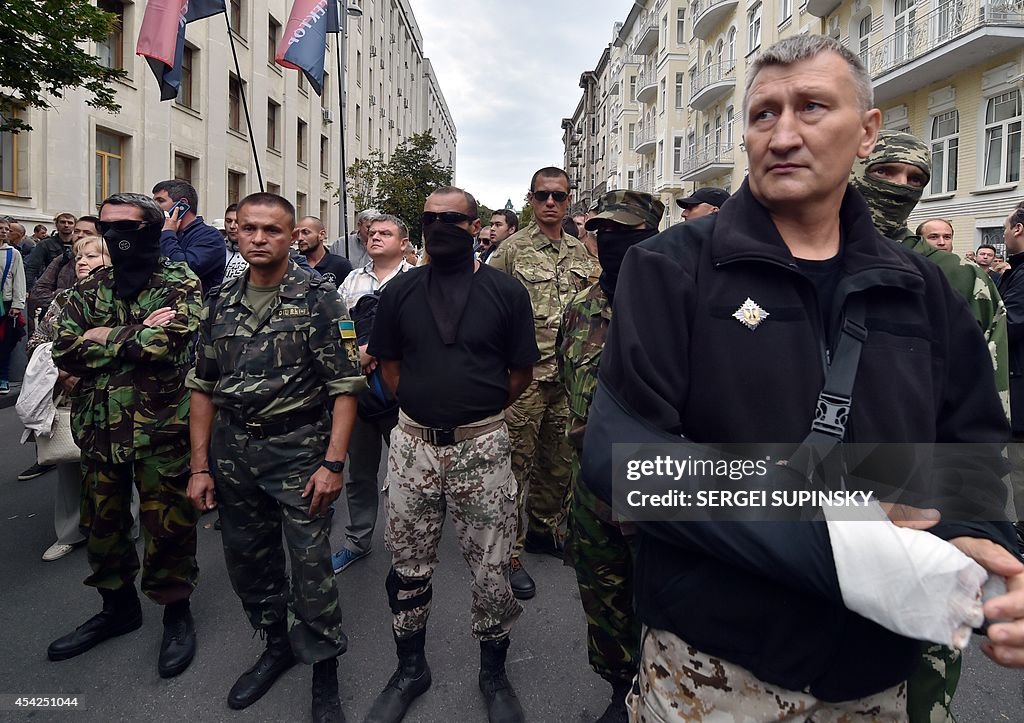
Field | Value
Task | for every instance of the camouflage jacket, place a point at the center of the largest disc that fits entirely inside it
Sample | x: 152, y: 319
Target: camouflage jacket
x: 131, y: 401
x: 552, y: 276
x: 983, y: 299
x: 295, y: 358
x: 578, y: 352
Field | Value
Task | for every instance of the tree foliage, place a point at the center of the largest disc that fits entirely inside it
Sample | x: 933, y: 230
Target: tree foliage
x: 401, y: 184
x: 526, y: 215
x: 41, y: 55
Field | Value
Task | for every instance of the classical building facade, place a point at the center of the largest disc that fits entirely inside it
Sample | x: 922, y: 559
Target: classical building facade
x: 76, y: 155
x: 949, y: 71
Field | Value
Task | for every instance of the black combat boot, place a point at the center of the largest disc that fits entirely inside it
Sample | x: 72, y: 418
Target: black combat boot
x: 616, y: 710
x: 257, y: 680
x: 178, y: 646
x: 121, y: 614
x: 326, y: 703
x: 502, y: 704
x: 410, y: 680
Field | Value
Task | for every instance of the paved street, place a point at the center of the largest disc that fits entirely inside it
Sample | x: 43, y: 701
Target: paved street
x: 118, y: 680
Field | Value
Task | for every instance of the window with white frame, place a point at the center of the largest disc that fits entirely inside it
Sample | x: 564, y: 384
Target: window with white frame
x: 754, y: 27
x: 681, y: 26
x: 864, y: 39
x: 679, y: 89
x: 785, y: 10
x: 691, y: 144
x: 707, y: 134
x: 730, y: 118
x: 993, y: 236
x: 945, y: 134
x: 1002, y: 138
x: 731, y: 45
x: 677, y: 154
x: 904, y: 14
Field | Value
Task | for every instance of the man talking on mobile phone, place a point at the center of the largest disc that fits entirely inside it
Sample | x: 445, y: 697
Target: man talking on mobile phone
x: 186, y: 236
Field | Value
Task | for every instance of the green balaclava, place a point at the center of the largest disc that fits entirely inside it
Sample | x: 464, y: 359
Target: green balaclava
x: 891, y: 203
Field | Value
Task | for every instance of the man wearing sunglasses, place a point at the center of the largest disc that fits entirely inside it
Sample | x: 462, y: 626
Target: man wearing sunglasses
x: 554, y: 267
x: 455, y: 341
x: 126, y: 331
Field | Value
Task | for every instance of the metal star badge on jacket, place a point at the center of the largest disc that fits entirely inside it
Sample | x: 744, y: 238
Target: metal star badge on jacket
x: 750, y: 314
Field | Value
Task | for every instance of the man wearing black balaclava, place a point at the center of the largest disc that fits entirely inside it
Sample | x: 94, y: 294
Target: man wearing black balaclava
x: 126, y: 332
x: 454, y: 373
x: 596, y: 544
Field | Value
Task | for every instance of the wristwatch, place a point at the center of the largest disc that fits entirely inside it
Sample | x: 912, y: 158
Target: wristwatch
x: 335, y: 467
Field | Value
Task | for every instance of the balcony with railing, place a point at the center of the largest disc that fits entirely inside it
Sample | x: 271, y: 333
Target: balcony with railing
x: 822, y: 8
x: 710, y: 14
x: 644, y: 140
x: 708, y: 162
x: 939, y: 44
x: 712, y: 84
x: 647, y: 86
x: 647, y: 35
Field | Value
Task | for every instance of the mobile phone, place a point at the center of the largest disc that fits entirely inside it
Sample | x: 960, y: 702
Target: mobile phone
x: 181, y: 204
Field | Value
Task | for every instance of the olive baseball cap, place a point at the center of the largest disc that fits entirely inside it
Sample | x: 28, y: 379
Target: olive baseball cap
x: 629, y: 208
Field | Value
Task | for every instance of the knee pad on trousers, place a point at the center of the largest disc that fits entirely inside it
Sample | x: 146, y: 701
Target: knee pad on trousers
x: 395, y: 584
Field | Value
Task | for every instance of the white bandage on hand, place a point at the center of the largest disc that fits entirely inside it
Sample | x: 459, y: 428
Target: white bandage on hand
x: 908, y: 581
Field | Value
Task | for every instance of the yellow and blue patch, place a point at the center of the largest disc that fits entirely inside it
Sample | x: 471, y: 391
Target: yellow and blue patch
x: 347, y: 329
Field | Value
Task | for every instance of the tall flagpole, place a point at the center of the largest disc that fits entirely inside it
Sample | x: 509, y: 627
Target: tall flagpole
x: 245, y: 103
x: 343, y: 186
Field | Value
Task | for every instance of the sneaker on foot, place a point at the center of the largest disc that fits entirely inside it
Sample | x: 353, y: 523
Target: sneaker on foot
x: 56, y: 551
x: 345, y: 557
x: 35, y: 471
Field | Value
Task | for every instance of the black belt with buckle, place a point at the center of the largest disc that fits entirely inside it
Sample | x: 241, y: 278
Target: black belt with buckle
x: 288, y: 423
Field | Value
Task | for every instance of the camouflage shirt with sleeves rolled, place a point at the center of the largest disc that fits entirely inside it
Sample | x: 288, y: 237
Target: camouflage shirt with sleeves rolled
x: 553, y: 272
x: 131, y: 401
x: 293, y: 357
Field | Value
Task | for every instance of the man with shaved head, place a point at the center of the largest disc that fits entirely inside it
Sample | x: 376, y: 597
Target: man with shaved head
x: 310, y: 235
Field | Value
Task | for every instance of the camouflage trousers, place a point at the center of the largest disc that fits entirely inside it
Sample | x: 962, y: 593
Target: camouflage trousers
x: 931, y: 688
x: 169, y: 568
x: 258, y: 485
x: 473, y: 479
x: 603, y: 559
x: 541, y: 458
x: 677, y: 682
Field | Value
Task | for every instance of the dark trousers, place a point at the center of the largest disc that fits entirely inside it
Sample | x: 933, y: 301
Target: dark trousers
x: 362, y: 493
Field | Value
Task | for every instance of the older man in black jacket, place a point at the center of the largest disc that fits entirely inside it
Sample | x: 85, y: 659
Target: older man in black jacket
x: 758, y: 620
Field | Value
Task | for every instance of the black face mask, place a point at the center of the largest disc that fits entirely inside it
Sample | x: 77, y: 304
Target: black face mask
x: 612, y: 246
x: 134, y: 256
x: 449, y: 276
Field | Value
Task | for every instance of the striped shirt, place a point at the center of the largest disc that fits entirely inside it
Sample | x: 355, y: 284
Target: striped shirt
x: 363, y: 281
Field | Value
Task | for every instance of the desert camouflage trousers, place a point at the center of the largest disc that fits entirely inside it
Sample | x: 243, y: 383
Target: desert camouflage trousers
x: 169, y: 568
x: 473, y: 479
x: 541, y: 458
x: 678, y: 683
x: 259, y: 486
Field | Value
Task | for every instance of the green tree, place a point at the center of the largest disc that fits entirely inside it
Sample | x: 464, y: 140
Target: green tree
x: 526, y: 215
x: 41, y: 55
x: 362, y: 178
x: 409, y: 176
x: 484, y: 212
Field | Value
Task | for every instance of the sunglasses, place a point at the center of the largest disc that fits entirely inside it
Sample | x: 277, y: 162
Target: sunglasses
x: 543, y: 196
x: 121, y: 226
x: 429, y: 218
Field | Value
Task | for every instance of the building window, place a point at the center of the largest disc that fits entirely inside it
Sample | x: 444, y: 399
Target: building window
x: 679, y: 89
x: 301, y: 83
x: 109, y: 160
x: 235, y: 13
x: 945, y: 151
x: 677, y: 154
x: 323, y: 212
x: 8, y: 163
x: 754, y: 28
x: 325, y: 92
x: 300, y: 141
x: 993, y: 236
x: 730, y: 45
x: 658, y: 159
x: 864, y: 39
x: 325, y: 154
x: 111, y: 50
x: 730, y: 119
x: 681, y: 26
x: 785, y: 10
x: 273, y: 38
x: 359, y: 68
x: 300, y: 205
x: 630, y: 178
x: 691, y: 144
x: 662, y: 105
x: 632, y: 136
x: 359, y: 119
x: 904, y: 13
x: 186, y: 93
x: 1002, y: 138
x: 272, y: 113
x: 236, y: 186
x: 632, y: 89
x: 274, y: 188
x: 234, y: 103
x: 183, y: 168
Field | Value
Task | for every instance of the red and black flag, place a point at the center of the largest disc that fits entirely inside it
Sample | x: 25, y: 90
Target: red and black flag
x: 162, y: 37
x: 304, y: 43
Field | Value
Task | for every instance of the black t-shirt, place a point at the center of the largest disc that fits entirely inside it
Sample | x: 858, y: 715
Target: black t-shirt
x: 825, y: 276
x: 334, y: 268
x: 448, y: 386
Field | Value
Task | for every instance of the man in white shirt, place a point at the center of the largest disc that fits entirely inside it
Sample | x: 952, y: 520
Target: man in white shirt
x: 387, y: 241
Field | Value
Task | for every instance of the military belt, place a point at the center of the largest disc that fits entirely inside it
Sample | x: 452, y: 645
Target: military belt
x: 447, y: 436
x: 288, y: 423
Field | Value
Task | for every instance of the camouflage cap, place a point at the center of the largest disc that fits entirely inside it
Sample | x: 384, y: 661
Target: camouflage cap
x: 629, y: 208
x: 897, y: 147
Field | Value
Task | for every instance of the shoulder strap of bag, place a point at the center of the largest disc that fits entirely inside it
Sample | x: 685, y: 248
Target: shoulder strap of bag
x: 3, y: 281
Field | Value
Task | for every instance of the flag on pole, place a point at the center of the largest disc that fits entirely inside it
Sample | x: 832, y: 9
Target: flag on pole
x: 304, y: 42
x: 162, y: 37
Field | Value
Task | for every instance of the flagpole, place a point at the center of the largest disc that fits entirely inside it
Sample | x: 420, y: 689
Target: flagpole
x: 245, y: 103
x: 342, y: 188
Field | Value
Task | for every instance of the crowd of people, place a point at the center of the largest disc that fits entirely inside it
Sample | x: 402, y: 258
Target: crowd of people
x: 241, y: 366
